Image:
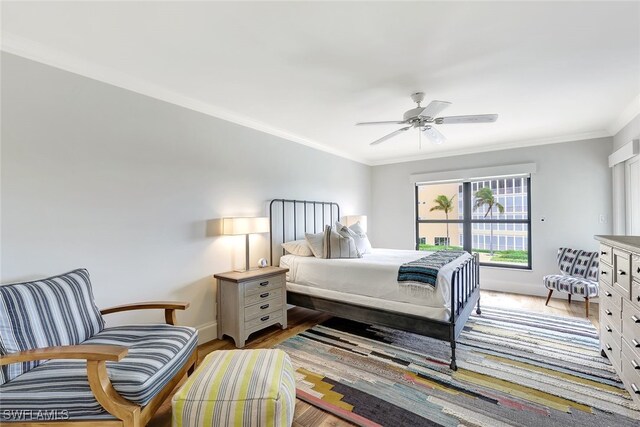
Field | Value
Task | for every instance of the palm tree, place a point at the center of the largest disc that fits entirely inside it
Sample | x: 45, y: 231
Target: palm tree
x: 484, y: 196
x: 444, y: 204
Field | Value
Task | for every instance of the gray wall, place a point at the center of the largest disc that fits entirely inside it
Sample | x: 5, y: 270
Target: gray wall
x: 99, y: 177
x: 571, y: 189
x: 629, y: 132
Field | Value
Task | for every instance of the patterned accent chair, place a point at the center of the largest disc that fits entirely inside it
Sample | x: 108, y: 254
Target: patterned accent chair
x: 579, y: 275
x: 60, y: 365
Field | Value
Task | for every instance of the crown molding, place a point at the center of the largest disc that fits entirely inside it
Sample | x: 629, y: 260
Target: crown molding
x: 498, y: 147
x: 40, y: 53
x: 624, y: 118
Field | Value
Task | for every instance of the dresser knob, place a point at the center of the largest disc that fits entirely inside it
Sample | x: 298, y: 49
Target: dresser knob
x: 635, y: 389
x: 264, y: 318
x: 609, y: 347
x: 635, y: 365
x: 264, y: 283
x: 621, y: 273
x: 609, y: 313
x: 604, y: 273
x: 266, y: 294
x: 264, y: 307
x: 608, y: 329
x: 607, y: 293
x: 635, y: 319
x: 603, y: 252
x: 635, y: 343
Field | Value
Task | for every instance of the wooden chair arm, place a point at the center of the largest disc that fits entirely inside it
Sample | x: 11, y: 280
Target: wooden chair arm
x: 113, y: 353
x: 169, y: 308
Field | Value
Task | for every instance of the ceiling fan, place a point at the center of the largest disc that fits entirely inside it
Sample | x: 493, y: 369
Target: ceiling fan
x: 424, y: 119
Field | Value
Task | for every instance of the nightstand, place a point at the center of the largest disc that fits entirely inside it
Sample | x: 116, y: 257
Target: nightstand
x: 250, y: 301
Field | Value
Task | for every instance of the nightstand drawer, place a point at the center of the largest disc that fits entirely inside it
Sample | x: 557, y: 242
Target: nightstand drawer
x: 263, y: 296
x: 612, y: 298
x: 266, y: 319
x: 606, y: 254
x: 263, y: 285
x: 262, y: 308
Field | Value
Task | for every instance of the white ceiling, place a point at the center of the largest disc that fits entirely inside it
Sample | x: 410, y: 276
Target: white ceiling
x: 308, y: 71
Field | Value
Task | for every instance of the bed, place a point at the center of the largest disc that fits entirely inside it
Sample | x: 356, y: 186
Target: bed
x: 366, y: 289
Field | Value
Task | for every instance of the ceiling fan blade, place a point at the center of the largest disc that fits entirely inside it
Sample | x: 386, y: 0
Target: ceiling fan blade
x: 434, y: 135
x: 395, y: 122
x: 434, y: 108
x: 391, y: 135
x: 478, y: 118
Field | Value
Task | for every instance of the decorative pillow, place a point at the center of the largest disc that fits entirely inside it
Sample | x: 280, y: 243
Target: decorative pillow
x: 298, y: 247
x: 56, y: 311
x: 358, y: 234
x: 315, y: 243
x: 339, y: 246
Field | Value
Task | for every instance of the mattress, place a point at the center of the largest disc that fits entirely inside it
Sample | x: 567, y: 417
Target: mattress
x: 370, y: 281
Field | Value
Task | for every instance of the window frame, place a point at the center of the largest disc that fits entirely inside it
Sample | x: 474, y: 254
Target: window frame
x: 468, y: 221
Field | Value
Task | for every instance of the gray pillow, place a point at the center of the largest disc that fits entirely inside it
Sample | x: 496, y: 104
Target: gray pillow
x: 316, y: 243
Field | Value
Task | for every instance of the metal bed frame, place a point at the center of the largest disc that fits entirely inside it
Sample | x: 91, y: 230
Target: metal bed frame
x: 465, y: 280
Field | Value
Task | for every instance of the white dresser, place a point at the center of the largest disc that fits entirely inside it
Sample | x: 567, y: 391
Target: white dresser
x: 250, y: 301
x: 620, y: 307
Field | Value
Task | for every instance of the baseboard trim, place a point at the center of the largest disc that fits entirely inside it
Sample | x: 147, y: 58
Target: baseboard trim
x: 207, y: 332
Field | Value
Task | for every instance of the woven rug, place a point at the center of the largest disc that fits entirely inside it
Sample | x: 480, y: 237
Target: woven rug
x: 514, y: 368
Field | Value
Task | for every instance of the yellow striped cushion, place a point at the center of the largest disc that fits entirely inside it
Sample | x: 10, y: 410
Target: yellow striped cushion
x: 238, y: 388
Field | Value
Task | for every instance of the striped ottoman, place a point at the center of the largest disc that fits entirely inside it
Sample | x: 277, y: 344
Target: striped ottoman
x: 238, y: 388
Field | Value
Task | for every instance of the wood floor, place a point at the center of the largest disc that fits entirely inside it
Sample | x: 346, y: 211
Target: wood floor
x: 300, y: 319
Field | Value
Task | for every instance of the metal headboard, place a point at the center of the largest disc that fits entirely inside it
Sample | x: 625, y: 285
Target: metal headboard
x: 290, y: 219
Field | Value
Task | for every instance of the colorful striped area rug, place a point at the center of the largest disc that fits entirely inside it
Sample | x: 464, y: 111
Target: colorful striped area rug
x: 514, y: 369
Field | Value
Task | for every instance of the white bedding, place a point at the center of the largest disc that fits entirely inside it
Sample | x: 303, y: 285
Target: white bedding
x: 370, y: 281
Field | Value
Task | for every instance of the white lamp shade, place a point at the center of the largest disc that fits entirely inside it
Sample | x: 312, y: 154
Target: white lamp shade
x: 349, y: 220
x: 245, y: 225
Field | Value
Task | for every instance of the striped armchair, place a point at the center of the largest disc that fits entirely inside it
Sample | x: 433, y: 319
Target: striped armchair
x: 579, y: 275
x: 59, y: 364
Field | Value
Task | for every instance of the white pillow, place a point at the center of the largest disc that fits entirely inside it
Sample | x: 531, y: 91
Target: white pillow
x: 297, y: 247
x: 339, y: 246
x: 315, y: 243
x: 358, y: 234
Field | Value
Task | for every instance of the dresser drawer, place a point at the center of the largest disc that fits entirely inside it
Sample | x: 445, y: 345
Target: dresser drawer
x: 631, y: 371
x: 263, y: 285
x: 606, y: 273
x: 609, y: 331
x: 263, y: 296
x: 630, y: 322
x: 635, y: 267
x: 265, y: 320
x: 606, y: 254
x: 262, y: 308
x: 607, y: 293
x: 610, y: 343
x: 621, y: 272
x: 611, y: 313
x: 635, y: 293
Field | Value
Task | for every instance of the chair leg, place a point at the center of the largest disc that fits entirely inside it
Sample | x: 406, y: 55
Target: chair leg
x: 569, y: 298
x: 586, y: 302
x: 549, y: 296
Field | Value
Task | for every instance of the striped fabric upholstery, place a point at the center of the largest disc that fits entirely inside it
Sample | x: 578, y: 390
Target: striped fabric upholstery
x: 56, y: 311
x: 238, y: 388
x: 156, y: 354
x: 571, y: 285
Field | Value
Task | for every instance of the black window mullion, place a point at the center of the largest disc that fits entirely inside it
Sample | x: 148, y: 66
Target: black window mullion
x: 467, y: 214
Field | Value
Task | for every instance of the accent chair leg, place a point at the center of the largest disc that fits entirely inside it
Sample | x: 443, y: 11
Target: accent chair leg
x: 453, y: 365
x: 569, y: 298
x: 586, y: 303
x: 478, y: 311
x: 549, y: 296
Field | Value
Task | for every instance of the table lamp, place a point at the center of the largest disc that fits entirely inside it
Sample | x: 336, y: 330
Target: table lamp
x: 349, y: 220
x: 245, y: 226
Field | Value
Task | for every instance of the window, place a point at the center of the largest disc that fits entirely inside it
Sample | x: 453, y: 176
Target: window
x: 488, y: 216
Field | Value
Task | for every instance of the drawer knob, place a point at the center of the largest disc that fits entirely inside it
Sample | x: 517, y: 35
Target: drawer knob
x: 635, y: 343
x: 608, y: 329
x: 264, y: 307
x: 603, y: 252
x: 622, y: 273
x: 265, y: 283
x: 266, y: 294
x: 609, y: 313
x: 607, y: 293
x: 635, y: 389
x: 635, y: 319
x: 638, y: 298
x: 635, y: 365
x: 264, y: 318
x: 609, y: 347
